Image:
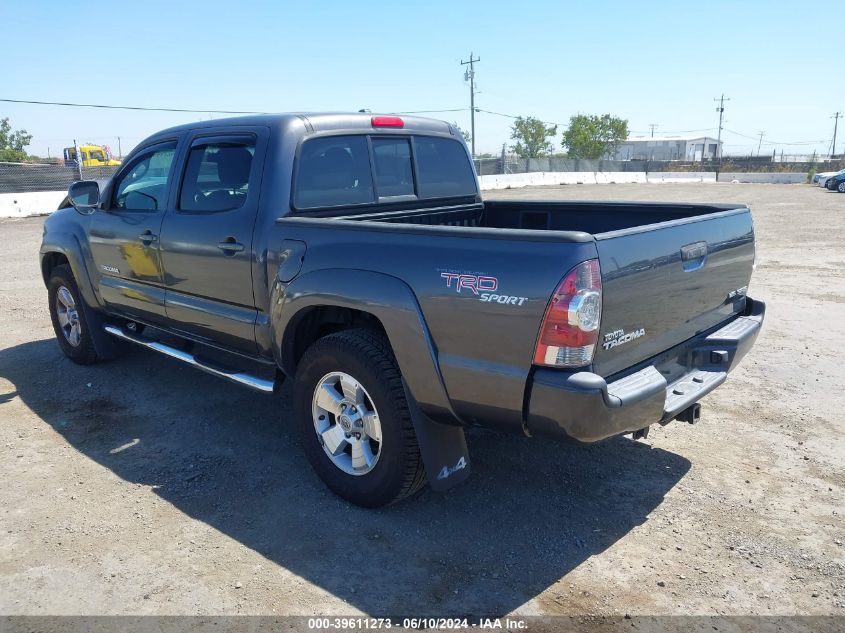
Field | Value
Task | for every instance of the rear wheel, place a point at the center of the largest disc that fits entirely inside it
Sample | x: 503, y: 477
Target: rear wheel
x: 351, y: 409
x: 68, y: 317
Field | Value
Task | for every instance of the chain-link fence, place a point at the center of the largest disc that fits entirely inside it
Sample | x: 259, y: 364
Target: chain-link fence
x: 26, y: 177
x: 762, y: 164
x: 516, y: 165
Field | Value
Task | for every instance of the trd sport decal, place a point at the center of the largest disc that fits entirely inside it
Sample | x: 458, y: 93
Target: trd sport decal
x: 482, y: 286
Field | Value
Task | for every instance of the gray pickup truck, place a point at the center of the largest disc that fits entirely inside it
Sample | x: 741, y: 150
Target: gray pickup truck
x: 354, y: 254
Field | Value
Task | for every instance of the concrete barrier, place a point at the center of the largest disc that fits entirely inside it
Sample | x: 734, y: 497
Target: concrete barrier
x: 21, y: 205
x: 657, y: 177
x: 785, y: 178
x: 534, y: 179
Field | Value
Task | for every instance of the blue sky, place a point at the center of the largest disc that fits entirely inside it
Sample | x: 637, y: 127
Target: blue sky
x: 653, y: 62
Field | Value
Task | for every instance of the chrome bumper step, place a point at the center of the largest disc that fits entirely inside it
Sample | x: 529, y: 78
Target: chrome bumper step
x: 233, y: 375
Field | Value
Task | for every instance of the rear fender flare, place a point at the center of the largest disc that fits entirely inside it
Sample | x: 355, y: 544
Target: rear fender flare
x: 440, y: 435
x: 388, y: 299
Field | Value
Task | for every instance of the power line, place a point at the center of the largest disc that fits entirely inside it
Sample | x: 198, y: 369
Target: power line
x: 122, y: 107
x: 206, y: 111
x: 433, y: 111
x: 469, y: 74
x: 516, y: 116
x: 754, y: 138
x: 701, y: 129
x: 836, y: 116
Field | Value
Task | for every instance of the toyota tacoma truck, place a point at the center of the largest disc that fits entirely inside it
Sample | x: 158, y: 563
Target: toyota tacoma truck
x: 354, y: 255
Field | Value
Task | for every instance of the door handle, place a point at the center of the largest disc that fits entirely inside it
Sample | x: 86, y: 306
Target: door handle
x: 147, y: 237
x: 229, y: 246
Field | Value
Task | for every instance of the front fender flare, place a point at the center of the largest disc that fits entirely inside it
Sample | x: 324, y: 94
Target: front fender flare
x: 68, y: 245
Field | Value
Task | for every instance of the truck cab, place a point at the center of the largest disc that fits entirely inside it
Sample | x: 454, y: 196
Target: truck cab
x: 92, y: 156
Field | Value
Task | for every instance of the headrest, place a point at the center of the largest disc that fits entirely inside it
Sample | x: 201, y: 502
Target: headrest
x: 233, y: 164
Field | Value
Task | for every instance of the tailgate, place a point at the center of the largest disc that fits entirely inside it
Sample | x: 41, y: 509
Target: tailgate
x: 664, y: 283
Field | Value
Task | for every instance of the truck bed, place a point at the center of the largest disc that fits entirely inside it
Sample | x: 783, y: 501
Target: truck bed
x: 595, y: 218
x: 649, y: 284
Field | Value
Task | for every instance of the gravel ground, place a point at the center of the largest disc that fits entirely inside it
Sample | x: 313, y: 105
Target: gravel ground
x: 143, y: 487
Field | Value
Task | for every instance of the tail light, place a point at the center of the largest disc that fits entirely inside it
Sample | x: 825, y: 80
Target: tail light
x: 570, y: 328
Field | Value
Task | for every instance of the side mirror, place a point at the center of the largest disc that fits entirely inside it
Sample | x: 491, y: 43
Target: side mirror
x: 84, y: 195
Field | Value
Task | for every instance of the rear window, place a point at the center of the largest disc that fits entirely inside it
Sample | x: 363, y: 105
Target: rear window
x: 338, y: 170
x: 334, y: 171
x: 394, y: 174
x: 443, y: 169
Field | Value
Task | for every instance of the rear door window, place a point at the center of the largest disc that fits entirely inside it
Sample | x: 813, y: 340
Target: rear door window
x: 217, y: 175
x: 394, y: 172
x: 334, y: 171
x: 443, y: 168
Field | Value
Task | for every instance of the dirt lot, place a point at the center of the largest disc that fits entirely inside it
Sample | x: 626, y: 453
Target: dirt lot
x: 139, y: 486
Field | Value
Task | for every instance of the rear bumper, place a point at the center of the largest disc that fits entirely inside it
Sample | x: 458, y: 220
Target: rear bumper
x: 583, y: 406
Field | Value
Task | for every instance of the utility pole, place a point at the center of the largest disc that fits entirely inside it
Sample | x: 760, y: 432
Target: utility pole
x: 119, y: 151
x: 652, y: 126
x: 469, y: 75
x: 78, y: 159
x: 721, y: 110
x: 836, y: 116
x: 760, y: 142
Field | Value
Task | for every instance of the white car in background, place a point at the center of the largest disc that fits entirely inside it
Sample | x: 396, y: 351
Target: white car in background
x: 823, y: 178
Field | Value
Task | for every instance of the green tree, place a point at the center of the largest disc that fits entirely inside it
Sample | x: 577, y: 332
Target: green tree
x: 813, y: 167
x: 13, y: 144
x: 532, y: 137
x: 590, y: 136
x: 467, y: 136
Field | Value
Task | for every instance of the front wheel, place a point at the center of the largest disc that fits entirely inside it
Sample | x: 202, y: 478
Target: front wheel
x: 841, y: 187
x: 350, y: 407
x: 68, y: 317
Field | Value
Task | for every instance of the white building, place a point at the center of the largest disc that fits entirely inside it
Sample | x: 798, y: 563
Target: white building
x: 687, y: 148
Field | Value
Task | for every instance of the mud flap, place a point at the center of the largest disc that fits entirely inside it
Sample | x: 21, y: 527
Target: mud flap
x: 107, y: 346
x: 443, y: 448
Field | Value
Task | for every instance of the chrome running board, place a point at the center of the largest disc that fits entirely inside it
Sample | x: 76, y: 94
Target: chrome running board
x: 239, y: 377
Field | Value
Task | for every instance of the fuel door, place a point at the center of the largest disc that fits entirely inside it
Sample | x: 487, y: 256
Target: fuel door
x: 291, y: 256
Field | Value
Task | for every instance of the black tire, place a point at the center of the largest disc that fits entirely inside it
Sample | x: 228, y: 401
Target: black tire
x: 398, y: 473
x: 830, y: 185
x: 84, y: 352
